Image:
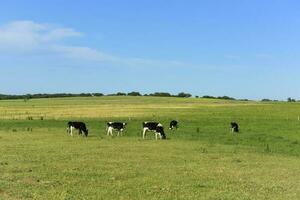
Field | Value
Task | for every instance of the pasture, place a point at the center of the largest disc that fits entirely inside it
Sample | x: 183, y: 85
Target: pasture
x: 201, y: 160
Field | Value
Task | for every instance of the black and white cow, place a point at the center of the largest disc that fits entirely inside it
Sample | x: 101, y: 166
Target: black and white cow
x: 156, y: 127
x: 80, y: 126
x: 118, y: 126
x: 234, y: 127
x: 173, y: 124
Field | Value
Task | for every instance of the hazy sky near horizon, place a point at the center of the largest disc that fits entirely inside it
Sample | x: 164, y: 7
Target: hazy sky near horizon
x: 240, y: 48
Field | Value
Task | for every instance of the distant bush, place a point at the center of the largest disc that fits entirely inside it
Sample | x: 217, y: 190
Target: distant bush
x: 290, y: 100
x: 97, y: 94
x: 221, y: 97
x: 160, y: 94
x: 121, y: 94
x: 134, y: 94
x: 117, y: 94
x: 266, y: 100
x: 208, y: 97
x: 226, y: 98
x: 184, y: 95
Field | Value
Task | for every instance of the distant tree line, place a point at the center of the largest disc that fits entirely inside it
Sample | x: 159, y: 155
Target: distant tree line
x: 56, y: 95
x: 288, y: 100
x: 267, y: 100
x: 221, y: 97
x: 156, y: 94
x: 60, y: 95
x: 133, y: 93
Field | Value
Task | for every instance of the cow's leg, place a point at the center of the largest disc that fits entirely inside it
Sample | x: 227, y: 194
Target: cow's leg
x: 160, y: 135
x: 109, y: 132
x: 121, y: 132
x: 71, y: 132
x: 144, y: 132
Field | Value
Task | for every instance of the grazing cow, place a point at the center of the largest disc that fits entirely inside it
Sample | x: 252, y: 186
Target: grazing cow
x: 77, y: 125
x: 173, y: 124
x: 156, y: 127
x: 234, y: 127
x: 118, y: 126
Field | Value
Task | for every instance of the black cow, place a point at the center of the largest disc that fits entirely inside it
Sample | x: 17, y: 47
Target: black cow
x: 80, y: 126
x: 173, y: 124
x: 118, y: 126
x: 234, y: 127
x: 156, y: 127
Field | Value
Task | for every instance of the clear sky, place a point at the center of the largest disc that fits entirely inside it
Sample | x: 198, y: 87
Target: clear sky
x: 240, y: 48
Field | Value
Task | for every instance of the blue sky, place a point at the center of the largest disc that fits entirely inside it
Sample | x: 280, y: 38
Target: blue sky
x: 241, y: 48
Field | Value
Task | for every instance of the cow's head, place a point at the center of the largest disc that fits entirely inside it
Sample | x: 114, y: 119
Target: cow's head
x: 233, y: 124
x: 173, y: 124
x: 86, y: 132
x: 160, y: 130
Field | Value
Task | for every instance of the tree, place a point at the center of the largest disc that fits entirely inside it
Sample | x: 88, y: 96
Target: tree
x: 160, y: 94
x: 208, y: 97
x: 121, y: 94
x: 184, y: 95
x: 266, y: 100
x: 226, y: 98
x: 134, y: 94
x: 97, y: 94
x: 290, y: 100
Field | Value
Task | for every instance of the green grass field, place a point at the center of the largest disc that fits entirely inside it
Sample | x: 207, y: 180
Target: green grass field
x: 201, y: 160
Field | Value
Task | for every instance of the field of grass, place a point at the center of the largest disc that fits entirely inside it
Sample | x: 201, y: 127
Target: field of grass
x: 201, y: 160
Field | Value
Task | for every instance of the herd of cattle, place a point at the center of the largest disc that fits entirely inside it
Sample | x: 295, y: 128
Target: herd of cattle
x: 156, y: 127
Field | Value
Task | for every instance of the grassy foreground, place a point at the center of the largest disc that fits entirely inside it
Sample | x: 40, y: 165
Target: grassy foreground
x: 201, y: 160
